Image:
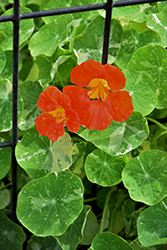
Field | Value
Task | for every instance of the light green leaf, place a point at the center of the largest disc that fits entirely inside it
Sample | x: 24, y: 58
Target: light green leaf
x: 158, y: 22
x: 109, y: 241
x: 152, y: 59
x: 6, y: 105
x: 119, y: 138
x: 30, y: 92
x: 141, y: 88
x: 50, y: 36
x: 41, y: 156
x: 131, y: 41
x: 42, y: 243
x: 152, y: 225
x: 5, y: 161
x: 6, y: 30
x: 89, y: 44
x: 145, y: 177
x: 74, y: 233
x: 49, y: 205
x: 45, y: 67
x: 11, y: 235
x: 161, y: 5
x: 104, y: 169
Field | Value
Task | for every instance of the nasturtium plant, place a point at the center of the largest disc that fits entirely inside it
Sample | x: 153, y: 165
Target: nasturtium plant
x: 92, y: 147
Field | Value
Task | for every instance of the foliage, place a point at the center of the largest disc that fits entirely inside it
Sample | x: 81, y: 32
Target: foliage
x: 90, y: 189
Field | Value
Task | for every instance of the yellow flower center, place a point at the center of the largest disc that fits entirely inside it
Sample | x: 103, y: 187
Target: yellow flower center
x: 98, y: 89
x: 59, y: 114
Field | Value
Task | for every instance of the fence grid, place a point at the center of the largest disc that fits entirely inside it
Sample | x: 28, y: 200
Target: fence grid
x: 16, y: 18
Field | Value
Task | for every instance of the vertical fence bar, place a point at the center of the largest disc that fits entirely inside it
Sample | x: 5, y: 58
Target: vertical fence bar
x: 16, y: 22
x: 107, y: 31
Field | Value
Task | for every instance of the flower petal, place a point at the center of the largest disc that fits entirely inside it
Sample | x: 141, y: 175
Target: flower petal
x: 51, y: 98
x: 73, y: 121
x: 82, y: 74
x: 79, y: 99
x: 97, y: 116
x: 119, y: 105
x: 114, y: 77
x: 46, y: 125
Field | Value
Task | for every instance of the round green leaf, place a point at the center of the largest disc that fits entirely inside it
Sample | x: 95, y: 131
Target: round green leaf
x: 131, y: 41
x: 2, y: 59
x: 42, y: 243
x: 146, y: 176
x: 152, y: 225
x: 5, y: 161
x: 6, y: 30
x: 89, y: 44
x: 74, y: 233
x: 152, y: 59
x: 119, y: 138
x: 109, y: 241
x: 47, y: 206
x: 141, y: 88
x: 6, y: 105
x: 50, y: 36
x: 158, y: 22
x: 11, y: 235
x: 41, y: 156
x: 104, y: 169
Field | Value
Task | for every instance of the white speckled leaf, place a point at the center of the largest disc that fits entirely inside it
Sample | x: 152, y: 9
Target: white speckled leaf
x: 38, y: 156
x: 119, y: 138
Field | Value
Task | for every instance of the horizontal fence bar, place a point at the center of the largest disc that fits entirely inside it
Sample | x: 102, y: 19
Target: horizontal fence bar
x: 75, y: 9
x: 6, y: 144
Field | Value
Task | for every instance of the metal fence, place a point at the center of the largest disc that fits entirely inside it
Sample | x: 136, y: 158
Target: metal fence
x: 16, y: 18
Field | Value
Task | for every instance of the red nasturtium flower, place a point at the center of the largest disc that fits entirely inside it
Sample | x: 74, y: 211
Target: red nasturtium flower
x: 57, y: 114
x: 98, y: 97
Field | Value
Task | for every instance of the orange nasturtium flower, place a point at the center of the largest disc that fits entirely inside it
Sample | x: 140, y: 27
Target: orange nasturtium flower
x: 98, y: 97
x: 57, y: 113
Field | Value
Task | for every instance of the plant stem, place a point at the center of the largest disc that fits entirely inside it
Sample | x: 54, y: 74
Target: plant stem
x: 158, y: 136
x: 105, y: 208
x: 91, y: 199
x: 157, y: 123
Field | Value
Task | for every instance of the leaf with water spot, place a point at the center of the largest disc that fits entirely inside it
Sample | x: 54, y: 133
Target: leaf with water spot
x: 104, y: 169
x: 49, y: 205
x: 38, y: 156
x: 119, y: 138
x: 152, y: 225
x: 146, y: 176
